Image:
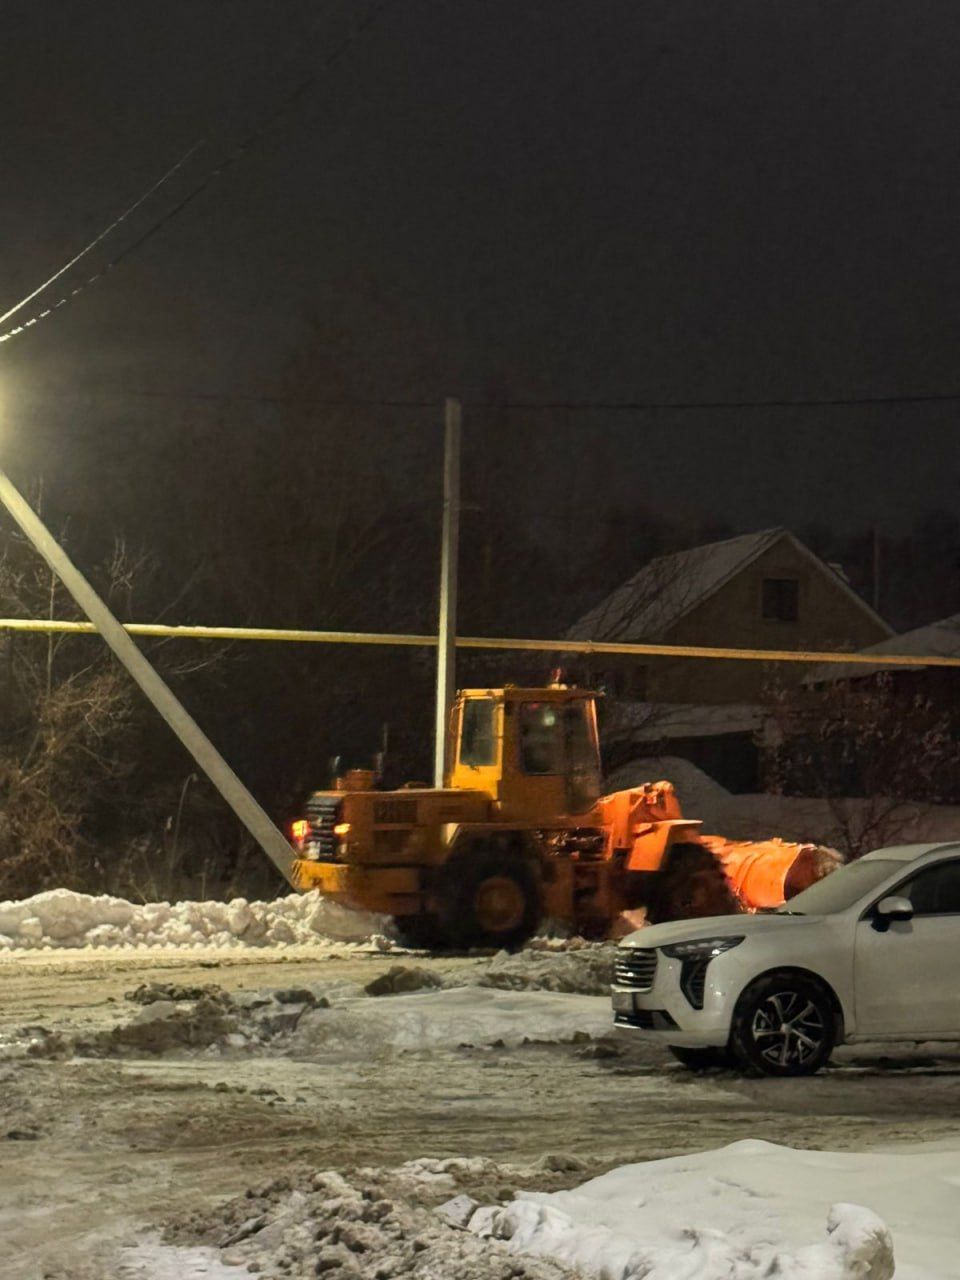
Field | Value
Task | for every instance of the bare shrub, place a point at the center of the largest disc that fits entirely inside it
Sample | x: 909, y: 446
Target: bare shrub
x: 872, y: 749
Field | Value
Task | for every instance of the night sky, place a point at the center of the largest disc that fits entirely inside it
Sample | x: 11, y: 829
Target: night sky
x: 530, y: 200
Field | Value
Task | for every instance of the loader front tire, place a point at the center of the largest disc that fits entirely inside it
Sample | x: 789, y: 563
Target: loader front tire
x: 489, y: 898
x: 690, y: 884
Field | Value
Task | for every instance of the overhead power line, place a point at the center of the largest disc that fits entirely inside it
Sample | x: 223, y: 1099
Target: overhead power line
x: 151, y: 190
x: 536, y: 406
x: 238, y: 151
x: 802, y: 402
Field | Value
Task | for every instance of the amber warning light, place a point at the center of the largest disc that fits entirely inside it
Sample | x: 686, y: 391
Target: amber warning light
x: 299, y: 830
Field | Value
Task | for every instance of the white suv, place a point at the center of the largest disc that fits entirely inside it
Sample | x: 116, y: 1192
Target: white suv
x: 872, y: 952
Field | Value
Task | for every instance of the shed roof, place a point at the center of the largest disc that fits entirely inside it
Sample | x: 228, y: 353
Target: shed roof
x: 939, y: 639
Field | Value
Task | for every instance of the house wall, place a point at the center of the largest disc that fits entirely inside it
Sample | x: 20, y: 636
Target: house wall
x: 828, y: 619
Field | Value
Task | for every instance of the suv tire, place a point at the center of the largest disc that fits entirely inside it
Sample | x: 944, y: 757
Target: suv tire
x: 784, y: 1025
x: 702, y: 1059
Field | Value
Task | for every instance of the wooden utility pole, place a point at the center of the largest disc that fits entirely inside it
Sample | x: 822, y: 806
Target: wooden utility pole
x: 449, y: 557
x: 876, y: 569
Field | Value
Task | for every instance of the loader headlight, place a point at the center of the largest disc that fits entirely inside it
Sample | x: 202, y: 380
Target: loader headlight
x: 700, y: 948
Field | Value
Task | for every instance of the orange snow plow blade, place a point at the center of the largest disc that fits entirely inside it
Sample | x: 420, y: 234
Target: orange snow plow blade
x: 766, y: 873
x: 647, y: 820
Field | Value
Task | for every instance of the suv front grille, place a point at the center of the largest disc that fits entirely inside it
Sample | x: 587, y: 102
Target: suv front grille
x: 635, y: 967
x: 321, y: 814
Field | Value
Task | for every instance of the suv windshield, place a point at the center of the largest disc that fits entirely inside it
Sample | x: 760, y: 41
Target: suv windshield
x: 842, y: 889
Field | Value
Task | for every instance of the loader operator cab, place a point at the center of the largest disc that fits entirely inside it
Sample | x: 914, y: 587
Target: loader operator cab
x: 534, y: 751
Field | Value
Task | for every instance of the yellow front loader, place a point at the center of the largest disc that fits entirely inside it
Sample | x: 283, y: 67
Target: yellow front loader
x: 520, y: 833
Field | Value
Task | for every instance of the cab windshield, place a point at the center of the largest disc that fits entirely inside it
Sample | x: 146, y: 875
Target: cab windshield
x: 557, y: 738
x: 839, y: 891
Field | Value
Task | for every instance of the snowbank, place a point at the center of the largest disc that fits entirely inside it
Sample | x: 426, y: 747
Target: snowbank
x: 62, y: 918
x: 757, y: 817
x: 750, y: 1211
x: 747, y: 1211
x: 826, y: 821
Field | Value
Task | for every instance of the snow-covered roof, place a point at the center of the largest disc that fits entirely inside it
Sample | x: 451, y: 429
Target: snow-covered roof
x: 655, y: 599
x: 668, y: 587
x: 936, y: 640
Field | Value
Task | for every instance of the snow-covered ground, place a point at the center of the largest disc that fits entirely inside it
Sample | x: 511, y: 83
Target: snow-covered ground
x: 154, y: 1260
x: 301, y: 1112
x: 751, y: 1209
x: 61, y: 918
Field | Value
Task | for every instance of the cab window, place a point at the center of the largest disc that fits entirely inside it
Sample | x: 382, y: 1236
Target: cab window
x: 478, y: 740
x: 555, y: 738
x: 935, y: 891
x: 541, y: 741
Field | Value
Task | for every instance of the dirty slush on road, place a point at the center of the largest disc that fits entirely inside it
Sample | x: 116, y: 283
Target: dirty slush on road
x: 306, y: 1117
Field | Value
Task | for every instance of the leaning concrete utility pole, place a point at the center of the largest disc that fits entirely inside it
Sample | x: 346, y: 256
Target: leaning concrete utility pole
x: 207, y: 757
x: 449, y: 557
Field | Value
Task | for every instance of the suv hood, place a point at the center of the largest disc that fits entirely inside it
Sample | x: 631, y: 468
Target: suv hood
x: 658, y: 935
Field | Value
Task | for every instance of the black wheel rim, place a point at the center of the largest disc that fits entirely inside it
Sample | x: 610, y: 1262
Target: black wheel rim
x: 788, y: 1029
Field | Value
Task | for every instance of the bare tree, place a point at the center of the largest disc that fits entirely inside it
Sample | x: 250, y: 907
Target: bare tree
x: 74, y: 736
x: 68, y: 710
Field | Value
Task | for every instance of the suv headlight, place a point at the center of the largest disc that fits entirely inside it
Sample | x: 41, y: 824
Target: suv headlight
x: 701, y: 948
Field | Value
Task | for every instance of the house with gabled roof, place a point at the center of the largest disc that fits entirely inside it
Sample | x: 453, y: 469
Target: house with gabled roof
x: 764, y: 590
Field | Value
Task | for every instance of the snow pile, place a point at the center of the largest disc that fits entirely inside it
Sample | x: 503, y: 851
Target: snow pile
x: 62, y: 918
x: 747, y: 1211
x: 430, y: 1020
x: 699, y: 795
x: 451, y: 1172
x: 586, y: 970
x: 345, y: 1229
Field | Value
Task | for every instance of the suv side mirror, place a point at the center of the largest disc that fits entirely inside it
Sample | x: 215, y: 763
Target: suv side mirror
x: 890, y: 909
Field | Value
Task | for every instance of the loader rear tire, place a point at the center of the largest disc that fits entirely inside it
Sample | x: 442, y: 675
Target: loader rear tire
x: 421, y: 933
x: 489, y: 898
x: 691, y: 883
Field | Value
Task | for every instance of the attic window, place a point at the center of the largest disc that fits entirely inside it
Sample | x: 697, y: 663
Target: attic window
x: 781, y: 599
